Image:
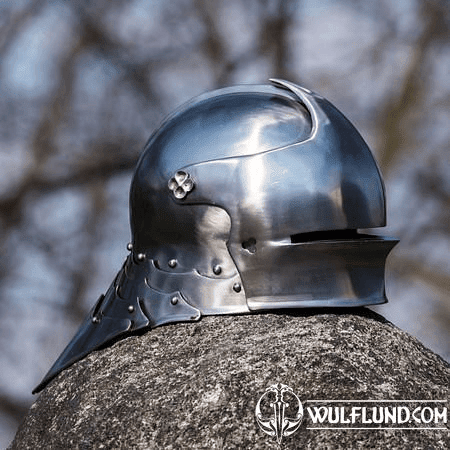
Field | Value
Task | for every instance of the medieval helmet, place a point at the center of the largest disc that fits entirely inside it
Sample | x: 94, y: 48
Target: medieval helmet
x: 247, y: 198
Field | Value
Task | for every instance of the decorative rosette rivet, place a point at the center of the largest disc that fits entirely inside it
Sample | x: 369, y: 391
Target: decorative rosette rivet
x: 181, y: 184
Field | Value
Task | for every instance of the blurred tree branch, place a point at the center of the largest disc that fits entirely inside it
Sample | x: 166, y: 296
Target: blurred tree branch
x: 418, y: 270
x: 99, y: 169
x: 274, y: 37
x: 16, y: 23
x: 80, y: 277
x: 394, y: 130
x: 13, y: 408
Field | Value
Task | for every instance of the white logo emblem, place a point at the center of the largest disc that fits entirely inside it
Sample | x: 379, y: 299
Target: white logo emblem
x: 279, y: 412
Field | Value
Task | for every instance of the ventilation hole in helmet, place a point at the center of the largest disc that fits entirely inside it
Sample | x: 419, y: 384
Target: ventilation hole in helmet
x: 249, y: 245
x: 156, y: 264
x: 334, y: 235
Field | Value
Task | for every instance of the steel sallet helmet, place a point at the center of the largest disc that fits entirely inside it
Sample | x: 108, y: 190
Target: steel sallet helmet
x: 247, y: 198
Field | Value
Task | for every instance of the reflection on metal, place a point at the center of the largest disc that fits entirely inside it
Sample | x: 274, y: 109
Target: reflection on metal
x: 247, y: 198
x: 172, y: 263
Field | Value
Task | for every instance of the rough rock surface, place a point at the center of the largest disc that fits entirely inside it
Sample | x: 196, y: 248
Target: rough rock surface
x: 196, y: 385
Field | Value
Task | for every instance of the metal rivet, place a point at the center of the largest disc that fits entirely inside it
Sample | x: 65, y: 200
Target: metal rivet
x: 173, y: 263
x: 131, y: 309
x: 140, y: 257
x: 129, y: 246
x: 95, y: 319
x: 237, y: 287
x: 217, y: 269
x: 174, y: 300
x: 181, y: 184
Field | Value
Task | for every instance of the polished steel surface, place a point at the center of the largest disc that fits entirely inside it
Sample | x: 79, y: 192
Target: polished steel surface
x: 247, y: 198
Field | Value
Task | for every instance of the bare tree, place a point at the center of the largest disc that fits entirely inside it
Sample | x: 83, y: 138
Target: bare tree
x: 78, y: 107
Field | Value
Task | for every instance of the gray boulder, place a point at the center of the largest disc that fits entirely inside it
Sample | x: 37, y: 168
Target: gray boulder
x: 196, y: 385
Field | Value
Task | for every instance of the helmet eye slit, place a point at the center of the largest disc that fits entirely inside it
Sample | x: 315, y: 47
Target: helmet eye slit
x: 331, y: 235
